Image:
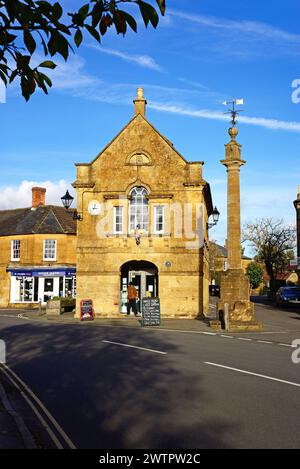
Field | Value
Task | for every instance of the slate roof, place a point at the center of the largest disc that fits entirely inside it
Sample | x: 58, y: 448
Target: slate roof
x: 222, y: 251
x: 45, y: 219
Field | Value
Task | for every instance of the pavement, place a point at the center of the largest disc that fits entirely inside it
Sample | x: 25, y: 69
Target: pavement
x: 110, y: 383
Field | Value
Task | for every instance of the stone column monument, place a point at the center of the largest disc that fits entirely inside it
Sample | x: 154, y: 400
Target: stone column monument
x: 297, y: 207
x: 235, y: 309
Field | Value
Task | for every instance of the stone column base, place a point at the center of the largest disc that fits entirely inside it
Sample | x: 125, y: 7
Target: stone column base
x: 235, y: 311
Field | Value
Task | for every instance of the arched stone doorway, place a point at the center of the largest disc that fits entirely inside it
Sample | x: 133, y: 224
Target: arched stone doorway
x: 144, y: 276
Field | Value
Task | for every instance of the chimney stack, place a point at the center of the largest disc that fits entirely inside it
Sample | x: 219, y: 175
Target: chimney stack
x: 140, y: 103
x: 38, y: 196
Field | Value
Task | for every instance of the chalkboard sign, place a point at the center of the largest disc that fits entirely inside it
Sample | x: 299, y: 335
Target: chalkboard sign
x: 86, y: 310
x: 150, y: 312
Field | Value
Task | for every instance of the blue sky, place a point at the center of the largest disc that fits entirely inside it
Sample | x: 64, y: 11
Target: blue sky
x: 202, y: 53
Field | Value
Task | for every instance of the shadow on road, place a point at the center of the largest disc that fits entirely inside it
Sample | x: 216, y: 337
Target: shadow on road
x: 106, y: 396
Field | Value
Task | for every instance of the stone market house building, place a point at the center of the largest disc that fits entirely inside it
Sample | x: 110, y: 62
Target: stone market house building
x: 144, y: 211
x: 37, y: 253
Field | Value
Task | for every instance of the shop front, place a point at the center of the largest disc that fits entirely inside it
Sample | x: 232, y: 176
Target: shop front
x: 40, y: 284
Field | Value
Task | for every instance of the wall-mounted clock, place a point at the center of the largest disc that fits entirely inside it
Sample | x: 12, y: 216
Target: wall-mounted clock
x: 94, y: 207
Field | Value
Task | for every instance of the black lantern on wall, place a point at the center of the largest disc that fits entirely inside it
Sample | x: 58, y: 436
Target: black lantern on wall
x: 67, y: 200
x: 215, y: 216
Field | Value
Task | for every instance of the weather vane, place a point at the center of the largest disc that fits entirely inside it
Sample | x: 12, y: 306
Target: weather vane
x: 232, y: 111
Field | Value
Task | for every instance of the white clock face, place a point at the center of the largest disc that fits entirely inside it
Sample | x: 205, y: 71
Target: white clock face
x: 94, y: 207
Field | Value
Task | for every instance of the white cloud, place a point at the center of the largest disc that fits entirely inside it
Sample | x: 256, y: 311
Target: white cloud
x: 144, y: 61
x: 20, y: 196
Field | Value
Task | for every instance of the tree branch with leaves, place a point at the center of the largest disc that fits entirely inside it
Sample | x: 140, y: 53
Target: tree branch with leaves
x: 27, y: 24
x: 273, y: 243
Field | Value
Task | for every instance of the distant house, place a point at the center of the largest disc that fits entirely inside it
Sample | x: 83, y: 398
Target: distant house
x: 37, y: 253
x: 218, y: 261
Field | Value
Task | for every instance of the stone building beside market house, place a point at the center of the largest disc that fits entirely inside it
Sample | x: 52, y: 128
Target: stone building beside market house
x: 37, y: 253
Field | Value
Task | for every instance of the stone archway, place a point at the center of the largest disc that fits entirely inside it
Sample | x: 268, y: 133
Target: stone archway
x: 144, y: 276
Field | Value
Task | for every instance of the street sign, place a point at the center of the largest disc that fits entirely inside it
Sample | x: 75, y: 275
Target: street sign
x: 150, y: 312
x: 86, y: 310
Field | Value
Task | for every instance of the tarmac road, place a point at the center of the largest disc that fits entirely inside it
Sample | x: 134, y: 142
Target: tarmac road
x: 109, y: 386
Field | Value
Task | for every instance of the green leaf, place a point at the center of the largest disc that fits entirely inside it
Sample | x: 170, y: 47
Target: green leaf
x: 148, y: 13
x: 3, y: 77
x: 130, y: 20
x: 25, y: 88
x: 57, y: 10
x: 48, y: 64
x: 162, y: 6
x: 10, y: 37
x: 13, y: 75
x: 93, y: 32
x: 83, y: 11
x: 105, y: 23
x: 46, y: 78
x: 58, y: 44
x: 120, y: 22
x: 78, y: 37
x: 29, y: 41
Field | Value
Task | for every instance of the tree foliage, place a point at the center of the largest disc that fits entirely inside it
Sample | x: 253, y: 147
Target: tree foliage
x: 255, y: 273
x: 273, y: 243
x: 28, y: 24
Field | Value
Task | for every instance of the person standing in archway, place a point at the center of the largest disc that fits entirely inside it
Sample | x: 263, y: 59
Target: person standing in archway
x: 131, y: 299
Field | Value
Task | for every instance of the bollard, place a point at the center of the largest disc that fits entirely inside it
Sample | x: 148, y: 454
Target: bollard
x: 226, y: 316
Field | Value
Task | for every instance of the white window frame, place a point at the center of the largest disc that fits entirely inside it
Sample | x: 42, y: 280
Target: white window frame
x: 133, y: 209
x: 155, y: 219
x: 12, y: 250
x: 53, y: 259
x: 121, y: 208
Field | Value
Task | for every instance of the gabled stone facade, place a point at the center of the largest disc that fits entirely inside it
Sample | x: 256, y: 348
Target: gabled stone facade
x: 165, y: 250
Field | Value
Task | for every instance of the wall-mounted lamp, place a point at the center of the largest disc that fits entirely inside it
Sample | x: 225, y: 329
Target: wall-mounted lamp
x: 67, y: 200
x: 215, y: 216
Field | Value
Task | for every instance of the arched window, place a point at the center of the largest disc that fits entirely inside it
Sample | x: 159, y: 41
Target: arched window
x: 138, y: 209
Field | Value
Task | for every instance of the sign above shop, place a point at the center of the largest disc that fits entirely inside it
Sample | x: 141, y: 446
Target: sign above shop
x: 42, y: 272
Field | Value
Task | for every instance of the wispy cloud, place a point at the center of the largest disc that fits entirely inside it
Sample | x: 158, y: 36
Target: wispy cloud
x: 244, y: 26
x: 144, y: 61
x: 238, y: 39
x: 274, y: 124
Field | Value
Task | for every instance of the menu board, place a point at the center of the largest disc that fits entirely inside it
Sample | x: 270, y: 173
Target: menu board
x: 150, y: 312
x: 86, y: 310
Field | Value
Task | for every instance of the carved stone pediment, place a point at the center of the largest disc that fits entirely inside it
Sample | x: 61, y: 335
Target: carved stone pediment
x: 139, y: 159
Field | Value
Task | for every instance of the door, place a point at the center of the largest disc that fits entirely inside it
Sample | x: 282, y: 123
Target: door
x: 136, y: 279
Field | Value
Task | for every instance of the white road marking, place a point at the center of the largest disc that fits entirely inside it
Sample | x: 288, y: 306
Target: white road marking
x: 134, y: 346
x: 179, y: 330
x: 227, y: 336
x: 8, y: 371
x: 264, y: 342
x: 287, y: 345
x: 243, y: 338
x: 253, y: 374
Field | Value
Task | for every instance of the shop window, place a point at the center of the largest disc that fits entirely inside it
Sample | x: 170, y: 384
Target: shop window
x: 70, y: 286
x: 49, y: 250
x: 15, y: 249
